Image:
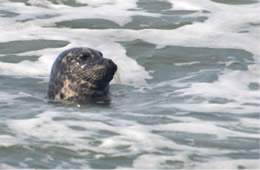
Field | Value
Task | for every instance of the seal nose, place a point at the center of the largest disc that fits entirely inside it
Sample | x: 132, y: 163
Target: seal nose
x: 111, y: 65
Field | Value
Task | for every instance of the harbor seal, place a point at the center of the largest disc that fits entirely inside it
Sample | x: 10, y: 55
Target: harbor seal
x: 79, y: 75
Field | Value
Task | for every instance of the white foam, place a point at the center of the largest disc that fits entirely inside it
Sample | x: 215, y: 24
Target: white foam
x: 130, y: 4
x: 219, y: 163
x: 7, y: 140
x: 207, y: 107
x: 186, y: 64
x: 102, y: 134
x: 232, y: 85
x: 134, y: 137
x: 184, y: 5
x: 250, y: 123
x: 129, y: 68
x: 149, y: 161
x: 5, y: 166
x: 220, y: 30
x: 95, y: 9
x: 44, y: 128
x: 100, y: 39
x: 209, y: 128
x: 8, y: 98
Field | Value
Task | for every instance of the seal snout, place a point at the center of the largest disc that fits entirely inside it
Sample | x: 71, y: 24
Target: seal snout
x: 112, y: 67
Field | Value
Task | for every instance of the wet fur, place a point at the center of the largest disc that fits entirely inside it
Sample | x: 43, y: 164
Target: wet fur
x: 80, y: 74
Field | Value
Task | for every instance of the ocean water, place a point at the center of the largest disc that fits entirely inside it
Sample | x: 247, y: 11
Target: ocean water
x: 186, y: 95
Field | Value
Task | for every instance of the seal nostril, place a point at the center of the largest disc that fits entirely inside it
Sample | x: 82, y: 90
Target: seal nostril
x: 111, y: 64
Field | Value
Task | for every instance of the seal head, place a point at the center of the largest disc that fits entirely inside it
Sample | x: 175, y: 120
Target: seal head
x: 79, y: 75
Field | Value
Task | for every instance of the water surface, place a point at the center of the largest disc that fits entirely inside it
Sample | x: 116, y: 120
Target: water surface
x: 186, y: 94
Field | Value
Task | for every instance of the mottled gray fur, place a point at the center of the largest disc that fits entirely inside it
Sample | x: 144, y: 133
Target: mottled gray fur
x: 80, y: 74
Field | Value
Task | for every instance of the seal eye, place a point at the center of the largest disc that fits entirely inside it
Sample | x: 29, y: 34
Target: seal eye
x: 83, y: 57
